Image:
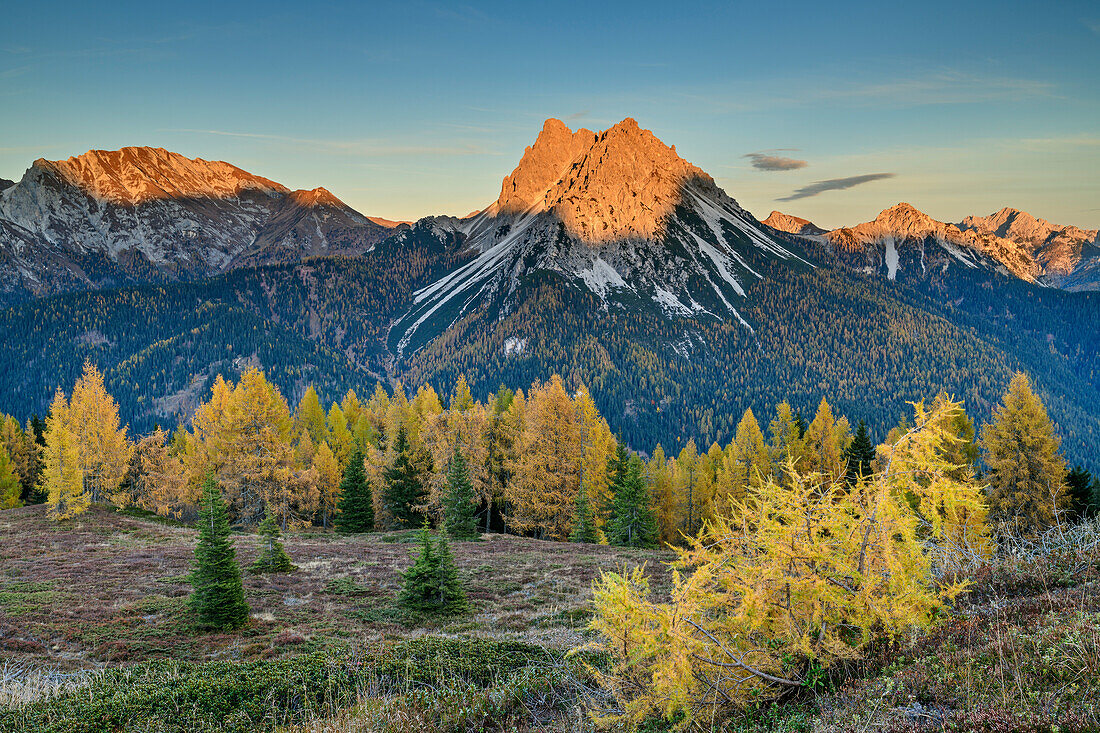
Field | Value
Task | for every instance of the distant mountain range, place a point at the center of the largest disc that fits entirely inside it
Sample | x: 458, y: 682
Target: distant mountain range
x: 606, y: 257
x: 137, y: 215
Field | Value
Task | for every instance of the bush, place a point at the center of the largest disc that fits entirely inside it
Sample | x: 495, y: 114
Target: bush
x: 240, y: 697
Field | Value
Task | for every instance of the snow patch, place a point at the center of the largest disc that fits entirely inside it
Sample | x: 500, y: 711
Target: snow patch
x: 514, y: 346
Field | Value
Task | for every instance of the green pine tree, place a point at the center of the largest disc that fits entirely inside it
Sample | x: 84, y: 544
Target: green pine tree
x: 273, y: 557
x: 860, y: 454
x: 452, y: 598
x: 1079, y: 484
x: 616, y: 474
x: 431, y: 585
x: 584, y: 521
x: 460, y: 520
x: 356, y: 498
x: 218, y: 596
x: 633, y: 523
x: 404, y: 488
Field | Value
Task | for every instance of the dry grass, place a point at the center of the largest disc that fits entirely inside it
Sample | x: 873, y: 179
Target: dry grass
x: 108, y: 589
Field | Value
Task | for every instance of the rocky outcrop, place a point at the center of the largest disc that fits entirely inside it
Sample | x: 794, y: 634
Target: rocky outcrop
x: 1057, y: 249
x: 792, y: 224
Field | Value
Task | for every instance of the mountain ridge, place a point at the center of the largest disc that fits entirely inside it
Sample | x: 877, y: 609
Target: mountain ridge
x: 110, y: 218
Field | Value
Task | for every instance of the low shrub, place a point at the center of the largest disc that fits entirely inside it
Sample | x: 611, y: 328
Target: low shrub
x: 240, y: 697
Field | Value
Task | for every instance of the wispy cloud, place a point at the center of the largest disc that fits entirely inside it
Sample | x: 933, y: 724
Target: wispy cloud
x: 834, y: 184
x: 363, y: 148
x: 765, y: 161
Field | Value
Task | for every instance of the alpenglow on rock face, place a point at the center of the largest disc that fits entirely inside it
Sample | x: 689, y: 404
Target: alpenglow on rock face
x: 618, y: 213
x: 1067, y: 256
x: 903, y: 239
x: 149, y: 215
x: 792, y: 224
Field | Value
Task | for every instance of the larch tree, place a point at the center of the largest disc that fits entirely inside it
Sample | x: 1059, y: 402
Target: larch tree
x: 217, y: 598
x: 826, y: 440
x: 310, y: 416
x: 1026, y: 472
x: 102, y: 446
x: 327, y: 469
x: 547, y: 470
x: 339, y: 437
x: 461, y: 399
x: 62, y: 478
x: 255, y: 458
x: 24, y: 455
x: 688, y: 518
x: 598, y: 445
x: 801, y: 575
x: 786, y: 445
x: 750, y: 450
x: 661, y: 471
x: 158, y: 479
x: 11, y: 489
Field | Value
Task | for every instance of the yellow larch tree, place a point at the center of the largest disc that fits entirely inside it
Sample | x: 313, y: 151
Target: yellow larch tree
x: 825, y: 441
x: 102, y: 446
x: 1026, y: 471
x: 792, y: 580
x: 327, y: 470
x: 158, y: 479
x: 597, y: 446
x: 660, y: 471
x: 62, y: 479
x: 547, y: 472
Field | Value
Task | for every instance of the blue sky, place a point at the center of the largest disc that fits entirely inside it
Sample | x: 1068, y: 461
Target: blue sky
x: 409, y: 108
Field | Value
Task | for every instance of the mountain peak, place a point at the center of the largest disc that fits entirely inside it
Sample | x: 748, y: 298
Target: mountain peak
x: 319, y: 196
x: 134, y: 175
x: 791, y: 224
x: 619, y: 183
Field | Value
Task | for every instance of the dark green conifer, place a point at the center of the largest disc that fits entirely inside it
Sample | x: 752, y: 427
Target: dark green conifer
x: 460, y: 520
x: 616, y: 474
x: 356, y: 498
x: 1079, y: 489
x: 633, y: 523
x: 403, y: 489
x: 273, y: 557
x: 860, y: 453
x: 452, y: 598
x: 431, y: 584
x: 218, y: 596
x: 584, y: 521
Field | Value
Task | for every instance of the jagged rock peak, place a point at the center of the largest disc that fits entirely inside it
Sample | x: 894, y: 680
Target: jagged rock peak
x: 133, y: 175
x: 620, y: 183
x: 542, y: 165
x: 1023, y: 227
x: 792, y: 224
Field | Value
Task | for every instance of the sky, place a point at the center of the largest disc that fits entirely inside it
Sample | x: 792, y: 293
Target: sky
x: 830, y: 111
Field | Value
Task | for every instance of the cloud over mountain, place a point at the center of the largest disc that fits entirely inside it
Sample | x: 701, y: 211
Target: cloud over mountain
x: 834, y: 184
x: 764, y: 161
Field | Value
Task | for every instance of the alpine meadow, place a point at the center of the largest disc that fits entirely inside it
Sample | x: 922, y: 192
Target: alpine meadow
x: 720, y: 437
